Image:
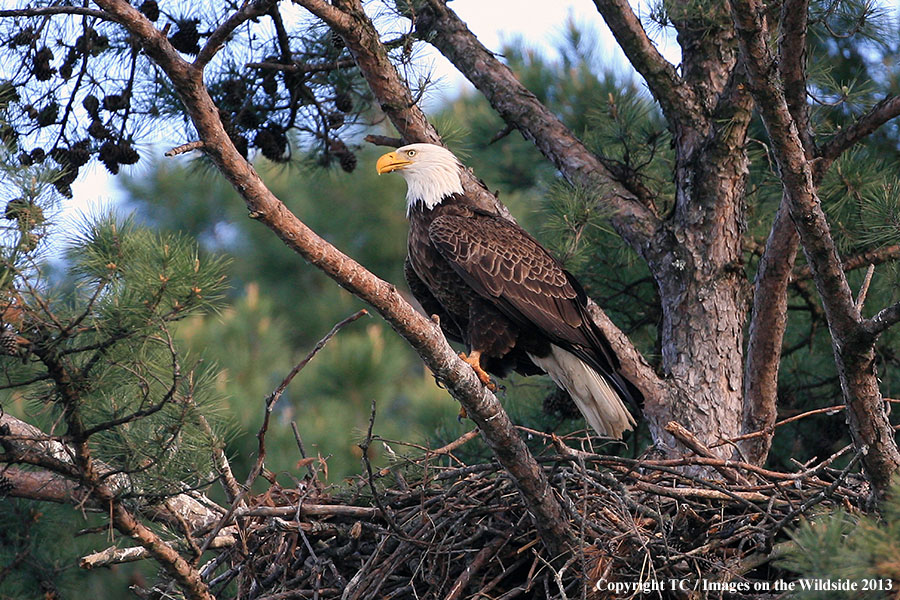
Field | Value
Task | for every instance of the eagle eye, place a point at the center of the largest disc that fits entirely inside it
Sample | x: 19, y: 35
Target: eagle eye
x: 410, y: 153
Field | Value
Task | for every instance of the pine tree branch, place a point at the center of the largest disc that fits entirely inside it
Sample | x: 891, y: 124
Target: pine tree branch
x: 90, y: 475
x: 45, y: 486
x: 884, y: 320
x: 217, y: 39
x: 878, y: 115
x: 46, y: 11
x: 768, y: 322
x: 677, y: 100
x: 853, y: 347
x: 295, y: 67
x: 440, y: 26
x: 24, y: 443
x: 422, y: 334
x: 857, y: 261
x: 792, y: 64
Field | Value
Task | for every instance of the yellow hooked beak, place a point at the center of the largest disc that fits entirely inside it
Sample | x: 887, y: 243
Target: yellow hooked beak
x: 391, y: 162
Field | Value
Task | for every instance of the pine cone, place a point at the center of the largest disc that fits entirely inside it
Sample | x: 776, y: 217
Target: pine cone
x: 272, y: 142
x: 347, y: 161
x: 150, y: 9
x: 41, y: 67
x: 91, y: 104
x: 187, y: 38
x: 343, y: 102
x: 9, y: 343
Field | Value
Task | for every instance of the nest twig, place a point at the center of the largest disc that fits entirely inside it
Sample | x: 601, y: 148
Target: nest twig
x: 460, y: 530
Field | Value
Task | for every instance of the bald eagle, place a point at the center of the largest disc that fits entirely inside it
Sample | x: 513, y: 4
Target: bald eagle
x: 497, y: 290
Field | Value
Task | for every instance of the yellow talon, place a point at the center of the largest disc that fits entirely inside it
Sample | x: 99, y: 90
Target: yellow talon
x: 474, y: 360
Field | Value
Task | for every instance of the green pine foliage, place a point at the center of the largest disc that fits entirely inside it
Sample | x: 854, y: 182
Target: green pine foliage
x: 105, y: 315
x: 848, y: 546
x: 138, y: 395
x: 40, y: 543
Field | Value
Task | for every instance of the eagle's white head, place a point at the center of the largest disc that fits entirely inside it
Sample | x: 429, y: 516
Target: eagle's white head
x: 431, y: 173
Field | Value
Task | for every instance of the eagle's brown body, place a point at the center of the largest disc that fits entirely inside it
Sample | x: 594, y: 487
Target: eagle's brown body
x: 496, y: 289
x: 443, y: 290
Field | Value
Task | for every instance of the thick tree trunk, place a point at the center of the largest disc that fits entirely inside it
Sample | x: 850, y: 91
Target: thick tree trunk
x: 698, y: 263
x: 704, y: 308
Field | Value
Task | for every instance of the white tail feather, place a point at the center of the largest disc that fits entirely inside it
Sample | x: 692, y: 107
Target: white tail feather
x: 600, y: 404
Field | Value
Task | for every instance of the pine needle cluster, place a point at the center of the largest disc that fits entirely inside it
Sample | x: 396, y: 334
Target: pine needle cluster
x: 95, y: 357
x: 844, y: 545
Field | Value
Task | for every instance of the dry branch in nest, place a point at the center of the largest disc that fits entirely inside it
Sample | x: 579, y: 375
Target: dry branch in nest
x: 442, y: 528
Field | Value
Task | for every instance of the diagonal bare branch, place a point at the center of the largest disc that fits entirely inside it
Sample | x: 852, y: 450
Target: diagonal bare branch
x: 792, y: 65
x: 864, y: 126
x: 518, y: 106
x: 857, y: 261
x: 768, y: 321
x: 42, y: 11
x: 678, y: 102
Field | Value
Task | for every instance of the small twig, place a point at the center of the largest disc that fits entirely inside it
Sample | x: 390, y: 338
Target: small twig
x: 320, y: 510
x: 690, y: 440
x: 815, y: 499
x: 295, y: 67
x: 449, y: 448
x: 273, y: 398
x: 184, y: 148
x: 275, y: 395
x: 459, y: 586
x: 299, y: 440
x: 864, y: 289
x: 809, y: 413
x: 508, y: 129
x: 383, y: 140
x: 370, y: 478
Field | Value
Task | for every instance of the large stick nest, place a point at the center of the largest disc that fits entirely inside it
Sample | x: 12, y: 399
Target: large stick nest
x: 434, y: 527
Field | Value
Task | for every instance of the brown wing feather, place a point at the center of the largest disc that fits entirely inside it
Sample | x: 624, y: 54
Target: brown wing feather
x: 429, y: 303
x: 507, y: 266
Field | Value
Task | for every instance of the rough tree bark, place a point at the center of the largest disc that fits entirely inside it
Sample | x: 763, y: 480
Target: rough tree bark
x: 853, y: 337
